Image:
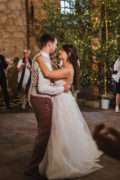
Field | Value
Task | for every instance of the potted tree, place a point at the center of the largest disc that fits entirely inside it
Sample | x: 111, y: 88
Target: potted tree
x: 105, y: 100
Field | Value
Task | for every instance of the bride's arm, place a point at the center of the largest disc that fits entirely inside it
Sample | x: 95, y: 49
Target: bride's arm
x: 56, y: 74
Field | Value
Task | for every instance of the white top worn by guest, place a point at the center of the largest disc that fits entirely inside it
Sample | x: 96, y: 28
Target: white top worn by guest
x: 41, y: 86
x: 27, y: 72
x: 116, y: 76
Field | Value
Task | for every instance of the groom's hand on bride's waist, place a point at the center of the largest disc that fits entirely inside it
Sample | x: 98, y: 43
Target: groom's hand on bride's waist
x: 66, y: 88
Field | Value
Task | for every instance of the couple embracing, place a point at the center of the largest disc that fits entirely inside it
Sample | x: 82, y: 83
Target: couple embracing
x: 64, y: 147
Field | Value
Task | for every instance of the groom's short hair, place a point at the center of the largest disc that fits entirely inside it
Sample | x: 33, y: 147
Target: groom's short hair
x: 45, y: 38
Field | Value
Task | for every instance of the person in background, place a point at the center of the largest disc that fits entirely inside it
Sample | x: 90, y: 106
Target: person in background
x: 3, y: 83
x: 24, y: 77
x: 116, y: 77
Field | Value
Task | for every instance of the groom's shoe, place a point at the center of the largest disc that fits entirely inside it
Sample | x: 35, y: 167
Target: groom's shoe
x: 34, y: 174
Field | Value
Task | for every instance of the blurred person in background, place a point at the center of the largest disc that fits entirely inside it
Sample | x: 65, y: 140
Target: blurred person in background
x: 24, y: 77
x: 3, y: 83
x: 116, y: 77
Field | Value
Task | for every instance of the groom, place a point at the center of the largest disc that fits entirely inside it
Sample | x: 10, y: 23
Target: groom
x: 41, y: 92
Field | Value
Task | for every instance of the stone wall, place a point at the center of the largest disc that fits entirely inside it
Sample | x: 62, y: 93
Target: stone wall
x: 39, y: 13
x: 16, y: 25
x: 12, y: 28
x: 13, y: 37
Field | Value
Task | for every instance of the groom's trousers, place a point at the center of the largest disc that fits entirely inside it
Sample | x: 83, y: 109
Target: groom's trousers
x: 42, y: 107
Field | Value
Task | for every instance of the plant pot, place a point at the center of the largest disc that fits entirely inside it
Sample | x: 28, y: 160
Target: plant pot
x: 105, y: 103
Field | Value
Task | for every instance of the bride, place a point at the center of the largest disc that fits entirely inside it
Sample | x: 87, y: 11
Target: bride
x: 71, y: 151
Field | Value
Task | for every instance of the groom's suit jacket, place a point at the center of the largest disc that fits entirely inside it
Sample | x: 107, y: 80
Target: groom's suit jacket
x: 41, y: 86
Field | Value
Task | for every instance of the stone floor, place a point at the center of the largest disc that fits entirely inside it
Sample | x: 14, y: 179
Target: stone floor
x: 17, y: 134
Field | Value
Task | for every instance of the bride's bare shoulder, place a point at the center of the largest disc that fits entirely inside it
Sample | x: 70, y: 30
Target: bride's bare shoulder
x: 71, y: 68
x: 66, y: 70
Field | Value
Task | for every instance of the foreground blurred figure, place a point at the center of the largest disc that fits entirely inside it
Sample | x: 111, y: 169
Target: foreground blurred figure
x: 108, y: 140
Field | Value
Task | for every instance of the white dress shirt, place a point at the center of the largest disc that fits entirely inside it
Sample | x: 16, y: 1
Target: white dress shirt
x: 40, y: 85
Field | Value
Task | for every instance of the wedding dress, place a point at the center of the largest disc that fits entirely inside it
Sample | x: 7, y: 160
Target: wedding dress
x: 71, y: 150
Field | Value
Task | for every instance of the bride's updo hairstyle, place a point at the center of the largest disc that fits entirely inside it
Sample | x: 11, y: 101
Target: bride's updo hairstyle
x: 73, y: 58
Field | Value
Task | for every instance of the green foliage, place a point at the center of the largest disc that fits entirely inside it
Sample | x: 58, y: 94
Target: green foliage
x: 109, y: 50
x: 76, y: 28
x: 107, y: 96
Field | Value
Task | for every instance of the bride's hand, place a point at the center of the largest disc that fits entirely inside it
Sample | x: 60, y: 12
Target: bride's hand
x: 67, y: 88
x: 54, y: 64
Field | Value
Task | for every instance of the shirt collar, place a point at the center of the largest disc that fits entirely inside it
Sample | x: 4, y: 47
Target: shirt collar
x: 45, y: 54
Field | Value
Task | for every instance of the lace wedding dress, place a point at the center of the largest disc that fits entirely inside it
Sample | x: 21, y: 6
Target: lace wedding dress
x: 71, y: 151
